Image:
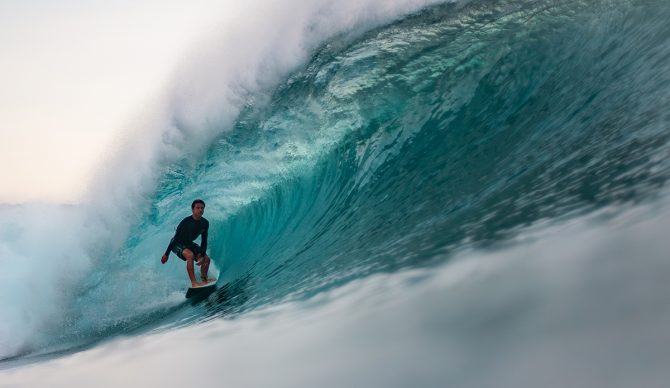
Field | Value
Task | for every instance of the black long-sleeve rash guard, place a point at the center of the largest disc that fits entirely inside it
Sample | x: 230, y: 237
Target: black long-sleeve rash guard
x: 187, y: 231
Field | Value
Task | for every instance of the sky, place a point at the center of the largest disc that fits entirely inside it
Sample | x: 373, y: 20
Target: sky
x: 73, y: 74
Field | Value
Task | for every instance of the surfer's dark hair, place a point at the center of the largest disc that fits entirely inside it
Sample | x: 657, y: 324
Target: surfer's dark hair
x: 197, y: 201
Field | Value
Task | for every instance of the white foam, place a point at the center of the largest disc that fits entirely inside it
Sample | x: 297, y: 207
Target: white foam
x: 42, y: 258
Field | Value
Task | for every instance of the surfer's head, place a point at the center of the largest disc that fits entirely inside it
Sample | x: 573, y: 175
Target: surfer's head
x: 198, y: 208
x: 197, y: 201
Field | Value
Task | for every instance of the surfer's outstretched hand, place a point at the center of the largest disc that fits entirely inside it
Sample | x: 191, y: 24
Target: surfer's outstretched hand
x: 164, y: 259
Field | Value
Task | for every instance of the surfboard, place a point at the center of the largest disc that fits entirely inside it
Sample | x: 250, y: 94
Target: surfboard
x: 203, y: 290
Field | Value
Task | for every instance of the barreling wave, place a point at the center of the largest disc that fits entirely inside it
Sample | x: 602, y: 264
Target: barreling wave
x: 447, y: 130
x: 457, y: 126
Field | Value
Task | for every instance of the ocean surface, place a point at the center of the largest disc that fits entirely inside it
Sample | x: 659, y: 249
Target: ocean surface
x: 400, y: 194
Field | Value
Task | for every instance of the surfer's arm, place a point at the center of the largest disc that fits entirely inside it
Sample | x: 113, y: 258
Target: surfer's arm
x: 180, y: 231
x: 169, y: 248
x: 164, y: 259
x: 203, y: 241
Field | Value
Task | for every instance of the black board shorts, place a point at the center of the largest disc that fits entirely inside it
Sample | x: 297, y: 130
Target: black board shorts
x: 193, y: 247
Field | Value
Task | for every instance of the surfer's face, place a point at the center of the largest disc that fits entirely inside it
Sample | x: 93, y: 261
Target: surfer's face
x: 198, y: 210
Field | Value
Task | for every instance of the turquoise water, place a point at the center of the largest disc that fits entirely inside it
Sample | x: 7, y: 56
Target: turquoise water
x: 515, y: 147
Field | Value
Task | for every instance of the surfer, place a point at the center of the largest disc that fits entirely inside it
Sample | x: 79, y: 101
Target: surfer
x: 183, y: 245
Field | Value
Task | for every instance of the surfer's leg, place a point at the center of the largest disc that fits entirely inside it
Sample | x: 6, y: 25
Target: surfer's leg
x: 197, y: 251
x: 204, y: 267
x: 188, y: 255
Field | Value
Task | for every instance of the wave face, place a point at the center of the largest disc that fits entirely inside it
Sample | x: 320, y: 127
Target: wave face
x: 453, y: 128
x: 450, y: 129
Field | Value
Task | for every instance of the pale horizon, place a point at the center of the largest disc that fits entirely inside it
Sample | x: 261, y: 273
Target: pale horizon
x: 74, y: 75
